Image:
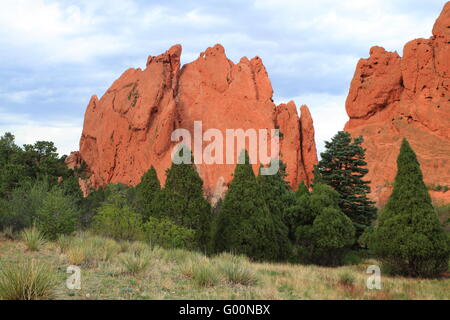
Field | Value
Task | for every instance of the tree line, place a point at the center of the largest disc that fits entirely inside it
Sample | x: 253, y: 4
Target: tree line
x: 260, y: 215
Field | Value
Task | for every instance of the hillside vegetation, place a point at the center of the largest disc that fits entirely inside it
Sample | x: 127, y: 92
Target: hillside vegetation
x: 107, y: 273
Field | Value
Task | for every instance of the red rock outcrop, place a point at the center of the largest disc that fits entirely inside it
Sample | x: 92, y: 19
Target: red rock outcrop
x: 393, y: 97
x: 129, y: 128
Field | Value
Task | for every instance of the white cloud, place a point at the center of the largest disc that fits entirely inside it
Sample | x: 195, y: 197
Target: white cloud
x: 359, y: 22
x: 65, y: 135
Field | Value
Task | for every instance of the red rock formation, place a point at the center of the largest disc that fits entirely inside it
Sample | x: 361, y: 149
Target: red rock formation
x: 129, y: 128
x: 392, y: 97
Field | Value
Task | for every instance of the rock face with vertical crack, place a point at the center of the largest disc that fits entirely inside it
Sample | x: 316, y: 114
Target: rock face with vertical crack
x: 130, y: 127
x: 393, y: 97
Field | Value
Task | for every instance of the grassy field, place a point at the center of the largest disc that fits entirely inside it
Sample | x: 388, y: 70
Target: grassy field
x: 124, y: 270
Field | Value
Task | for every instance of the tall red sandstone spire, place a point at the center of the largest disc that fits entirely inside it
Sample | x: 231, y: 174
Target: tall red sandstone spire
x: 392, y: 97
x: 129, y: 128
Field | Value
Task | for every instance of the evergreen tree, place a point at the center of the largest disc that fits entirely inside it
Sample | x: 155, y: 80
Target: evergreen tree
x: 182, y: 201
x: 297, y: 211
x: 276, y: 193
x: 343, y: 168
x: 409, y: 238
x: 146, y: 192
x: 244, y: 224
x: 323, y: 232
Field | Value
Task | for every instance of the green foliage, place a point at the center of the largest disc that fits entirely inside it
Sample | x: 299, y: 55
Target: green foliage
x: 116, y: 218
x: 205, y: 275
x: 27, y: 280
x: 346, y: 278
x: 58, y: 214
x: 135, y: 262
x: 277, y: 195
x: 118, y: 222
x: 323, y: 232
x: 236, y: 269
x: 33, y: 238
x: 182, y: 202
x: 146, y: 192
x: 22, y: 208
x: 343, y: 168
x: 164, y: 233
x: 245, y: 225
x: 409, y: 239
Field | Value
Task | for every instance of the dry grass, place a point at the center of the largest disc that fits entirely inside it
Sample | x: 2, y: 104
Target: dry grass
x: 179, y: 274
x: 26, y: 280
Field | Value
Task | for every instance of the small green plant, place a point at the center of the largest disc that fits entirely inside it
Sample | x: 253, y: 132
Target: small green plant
x: 346, y: 279
x: 33, y: 238
x: 64, y: 242
x: 205, y: 275
x: 236, y: 269
x: 8, y: 233
x: 27, y: 280
x: 134, y: 262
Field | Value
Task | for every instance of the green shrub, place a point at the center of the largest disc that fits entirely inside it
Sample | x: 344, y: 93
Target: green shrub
x: 346, y: 279
x: 21, y: 210
x: 164, y: 233
x: 236, y: 269
x: 57, y: 215
x: 27, y: 280
x: 135, y: 262
x: 409, y: 239
x: 34, y: 239
x: 324, y: 232
x: 205, y: 275
x: 118, y: 222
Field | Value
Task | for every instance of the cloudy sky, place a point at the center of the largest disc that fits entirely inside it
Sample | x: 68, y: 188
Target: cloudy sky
x: 55, y: 54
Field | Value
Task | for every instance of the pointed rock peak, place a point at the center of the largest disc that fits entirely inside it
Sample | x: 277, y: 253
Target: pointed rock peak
x: 442, y: 25
x: 377, y: 51
x: 217, y: 50
x: 93, y: 102
x: 173, y: 55
x: 304, y: 112
x: 244, y: 60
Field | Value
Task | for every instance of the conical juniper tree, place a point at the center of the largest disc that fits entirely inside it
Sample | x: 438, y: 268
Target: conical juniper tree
x: 409, y: 238
x: 277, y: 192
x: 343, y: 168
x: 146, y: 192
x: 182, y: 201
x: 244, y: 224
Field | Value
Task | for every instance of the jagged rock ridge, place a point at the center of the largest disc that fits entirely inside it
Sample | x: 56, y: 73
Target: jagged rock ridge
x: 129, y: 128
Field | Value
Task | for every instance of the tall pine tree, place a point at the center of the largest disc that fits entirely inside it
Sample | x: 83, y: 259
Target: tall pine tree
x: 409, y: 237
x: 343, y: 168
x: 244, y: 223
